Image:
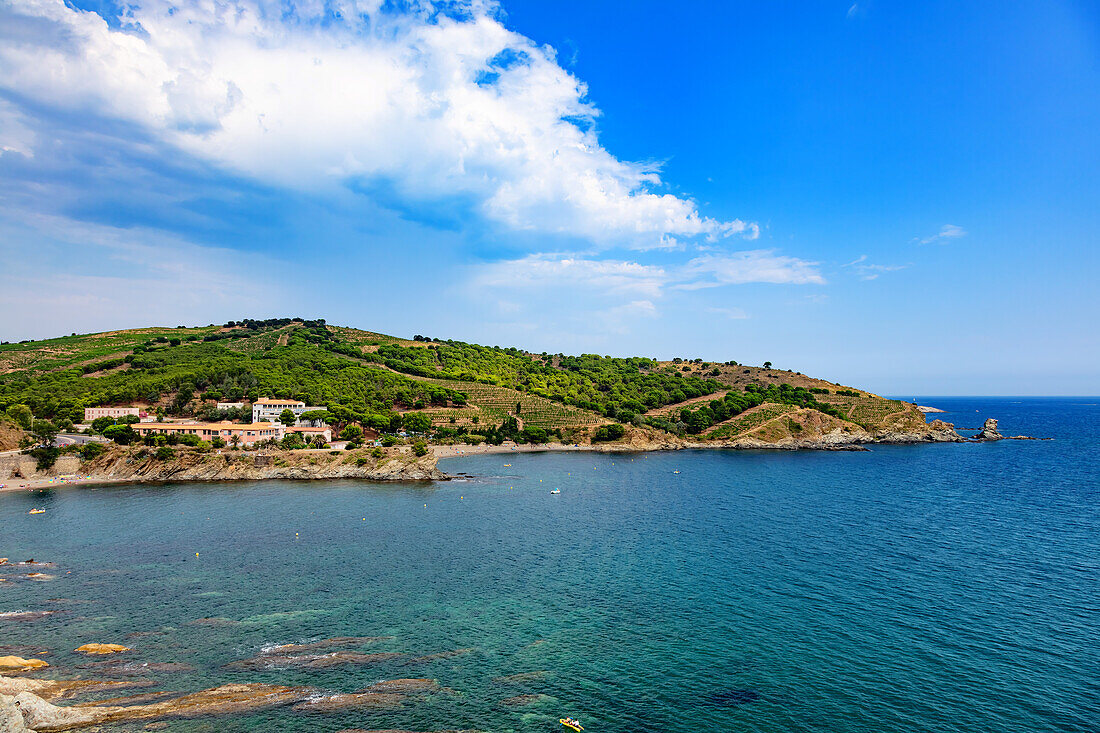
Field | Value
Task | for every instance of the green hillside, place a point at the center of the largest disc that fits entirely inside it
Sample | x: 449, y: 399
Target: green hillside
x: 387, y: 382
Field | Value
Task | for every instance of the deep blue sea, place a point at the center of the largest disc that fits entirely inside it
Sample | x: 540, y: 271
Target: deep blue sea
x: 921, y: 588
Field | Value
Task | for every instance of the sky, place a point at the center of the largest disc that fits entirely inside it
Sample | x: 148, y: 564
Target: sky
x: 902, y: 197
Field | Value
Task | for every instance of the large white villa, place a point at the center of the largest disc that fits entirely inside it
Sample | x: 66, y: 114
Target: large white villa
x: 268, y: 410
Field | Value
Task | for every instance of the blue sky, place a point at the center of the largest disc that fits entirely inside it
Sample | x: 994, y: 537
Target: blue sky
x: 901, y: 198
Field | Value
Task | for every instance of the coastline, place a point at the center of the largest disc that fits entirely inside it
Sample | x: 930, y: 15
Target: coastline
x: 134, y: 466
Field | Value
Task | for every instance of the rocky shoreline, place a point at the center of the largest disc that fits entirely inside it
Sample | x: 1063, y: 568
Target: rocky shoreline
x: 808, y: 430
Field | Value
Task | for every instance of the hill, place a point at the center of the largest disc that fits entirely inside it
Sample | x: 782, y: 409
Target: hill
x: 447, y: 389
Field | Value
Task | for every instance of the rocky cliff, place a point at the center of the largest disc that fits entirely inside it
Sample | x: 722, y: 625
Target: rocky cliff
x: 136, y: 464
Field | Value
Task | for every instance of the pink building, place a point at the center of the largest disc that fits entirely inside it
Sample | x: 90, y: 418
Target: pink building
x: 91, y: 413
x: 308, y: 433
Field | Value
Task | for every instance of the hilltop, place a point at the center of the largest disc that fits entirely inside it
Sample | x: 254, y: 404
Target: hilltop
x: 446, y: 391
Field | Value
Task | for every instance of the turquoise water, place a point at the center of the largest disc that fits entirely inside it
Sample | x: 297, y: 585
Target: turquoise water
x: 924, y: 588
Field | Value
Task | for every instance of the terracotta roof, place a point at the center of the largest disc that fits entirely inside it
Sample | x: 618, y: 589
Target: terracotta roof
x: 208, y: 425
x: 268, y: 401
x: 307, y: 429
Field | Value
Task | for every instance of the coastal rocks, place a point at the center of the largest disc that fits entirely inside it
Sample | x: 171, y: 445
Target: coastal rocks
x: 989, y: 431
x: 20, y: 664
x: 60, y: 689
x: 45, y: 717
x: 138, y: 465
x: 102, y: 648
x: 11, y: 717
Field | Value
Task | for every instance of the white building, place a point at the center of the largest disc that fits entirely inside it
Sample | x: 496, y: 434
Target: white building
x: 230, y: 405
x: 268, y: 410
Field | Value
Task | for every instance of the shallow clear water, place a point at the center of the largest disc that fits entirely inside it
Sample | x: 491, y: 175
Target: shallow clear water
x: 923, y: 588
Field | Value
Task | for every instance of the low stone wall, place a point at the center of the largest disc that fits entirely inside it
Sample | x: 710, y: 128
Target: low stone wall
x: 19, y: 466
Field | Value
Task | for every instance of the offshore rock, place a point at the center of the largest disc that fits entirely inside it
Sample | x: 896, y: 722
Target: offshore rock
x: 404, y: 686
x: 19, y: 663
x: 57, y: 689
x: 989, y: 431
x: 102, y: 648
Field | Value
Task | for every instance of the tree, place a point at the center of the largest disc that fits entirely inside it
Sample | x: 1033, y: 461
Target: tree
x: 235, y: 439
x: 519, y: 406
x: 352, y: 433
x: 44, y: 432
x: 767, y: 365
x: 288, y: 418
x: 121, y: 434
x: 102, y: 423
x: 21, y: 416
x: 418, y: 422
x: 419, y: 448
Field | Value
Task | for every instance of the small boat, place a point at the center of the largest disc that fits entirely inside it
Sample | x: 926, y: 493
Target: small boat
x: 676, y: 472
x: 507, y: 465
x: 555, y: 491
x: 37, y: 511
x: 571, y: 723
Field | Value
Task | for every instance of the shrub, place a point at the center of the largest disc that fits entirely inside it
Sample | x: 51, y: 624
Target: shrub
x: 377, y: 452
x: 164, y: 453
x: 217, y: 442
x: 419, y: 448
x: 608, y: 432
x: 91, y: 451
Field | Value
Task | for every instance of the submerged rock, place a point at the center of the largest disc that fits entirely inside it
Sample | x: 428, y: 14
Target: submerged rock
x: 312, y: 661
x: 58, y: 689
x: 405, y: 686
x: 349, y: 701
x: 129, y: 667
x: 102, y: 648
x: 734, y: 697
x: 522, y: 678
x: 439, y: 655
x: 25, y: 615
x: 325, y: 644
x: 520, y: 701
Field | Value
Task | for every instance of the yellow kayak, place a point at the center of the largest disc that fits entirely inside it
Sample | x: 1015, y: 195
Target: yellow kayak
x: 37, y: 511
x: 571, y: 724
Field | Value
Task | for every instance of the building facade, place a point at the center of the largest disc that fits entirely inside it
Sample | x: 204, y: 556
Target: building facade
x: 230, y: 405
x: 268, y: 410
x: 247, y: 434
x: 308, y: 433
x: 91, y: 413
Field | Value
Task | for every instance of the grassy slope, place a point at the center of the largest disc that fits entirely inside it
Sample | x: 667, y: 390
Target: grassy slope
x: 490, y: 403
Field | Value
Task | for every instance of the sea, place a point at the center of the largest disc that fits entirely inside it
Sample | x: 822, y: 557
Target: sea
x: 940, y: 588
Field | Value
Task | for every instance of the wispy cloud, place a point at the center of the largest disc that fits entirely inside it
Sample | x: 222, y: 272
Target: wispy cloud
x: 733, y: 314
x: 871, y: 271
x: 752, y: 266
x: 436, y: 102
x: 946, y: 233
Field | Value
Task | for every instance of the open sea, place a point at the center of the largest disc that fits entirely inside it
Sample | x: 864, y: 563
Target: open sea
x: 934, y: 588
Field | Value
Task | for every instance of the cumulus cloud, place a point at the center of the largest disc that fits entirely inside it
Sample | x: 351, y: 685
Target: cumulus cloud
x: 946, y: 233
x: 441, y: 101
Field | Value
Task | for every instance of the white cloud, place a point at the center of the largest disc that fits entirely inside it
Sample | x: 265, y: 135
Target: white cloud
x: 614, y: 277
x: 548, y: 271
x: 946, y: 233
x: 870, y: 271
x: 752, y: 266
x: 437, y: 103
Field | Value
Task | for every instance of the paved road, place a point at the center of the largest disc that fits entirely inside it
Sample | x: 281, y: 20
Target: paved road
x: 78, y: 439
